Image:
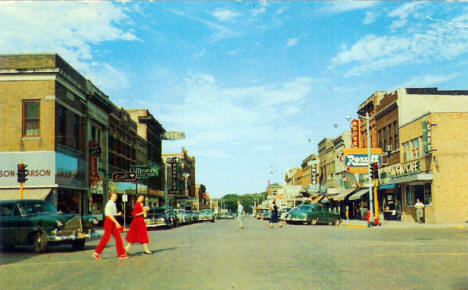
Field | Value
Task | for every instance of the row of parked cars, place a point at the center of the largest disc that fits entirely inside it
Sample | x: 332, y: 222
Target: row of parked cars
x: 305, y: 214
x: 168, y: 217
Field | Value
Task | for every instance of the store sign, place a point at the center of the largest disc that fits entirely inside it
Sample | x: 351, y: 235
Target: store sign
x: 402, y: 169
x: 355, y: 131
x: 40, y: 170
x: 357, y: 159
x: 173, y: 135
x: 144, y: 171
x: 426, y: 137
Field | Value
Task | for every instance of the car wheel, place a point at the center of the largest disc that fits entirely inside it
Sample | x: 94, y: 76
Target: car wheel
x: 288, y: 222
x: 78, y: 244
x: 314, y: 221
x: 212, y: 221
x: 40, y: 242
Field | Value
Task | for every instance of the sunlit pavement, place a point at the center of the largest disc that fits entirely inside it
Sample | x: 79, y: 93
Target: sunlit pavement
x: 222, y: 256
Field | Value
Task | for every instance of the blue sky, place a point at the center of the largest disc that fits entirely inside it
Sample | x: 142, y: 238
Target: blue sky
x: 254, y: 85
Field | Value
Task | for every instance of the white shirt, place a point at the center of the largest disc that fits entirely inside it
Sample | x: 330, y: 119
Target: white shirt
x: 111, y: 208
x: 419, y: 205
x: 240, y: 209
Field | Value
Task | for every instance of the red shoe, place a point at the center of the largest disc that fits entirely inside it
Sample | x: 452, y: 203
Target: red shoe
x: 96, y: 256
x: 123, y: 257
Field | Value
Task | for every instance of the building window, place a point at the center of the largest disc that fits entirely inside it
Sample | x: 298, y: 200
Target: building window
x: 427, y: 194
x: 390, y: 136
x: 421, y: 192
x: 406, y: 151
x: 415, y: 147
x: 31, y: 118
x: 395, y: 134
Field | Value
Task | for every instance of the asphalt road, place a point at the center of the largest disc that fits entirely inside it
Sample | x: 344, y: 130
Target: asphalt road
x: 221, y: 256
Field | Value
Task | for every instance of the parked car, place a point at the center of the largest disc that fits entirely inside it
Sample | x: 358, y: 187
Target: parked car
x: 265, y: 213
x: 191, y: 216
x: 231, y: 215
x: 283, y: 213
x: 206, y: 215
x: 182, y: 216
x: 161, y: 216
x: 37, y: 223
x: 313, y: 214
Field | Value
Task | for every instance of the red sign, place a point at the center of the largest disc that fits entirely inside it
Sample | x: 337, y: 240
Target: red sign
x: 93, y: 175
x: 355, y: 129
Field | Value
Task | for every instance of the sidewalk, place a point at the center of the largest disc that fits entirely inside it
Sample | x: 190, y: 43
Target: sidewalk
x: 403, y: 225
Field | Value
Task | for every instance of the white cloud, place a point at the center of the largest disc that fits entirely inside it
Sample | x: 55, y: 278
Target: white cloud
x: 225, y: 14
x: 258, y: 11
x: 200, y: 53
x: 402, y: 13
x: 423, y: 43
x: 292, y: 42
x: 68, y: 28
x: 370, y: 17
x: 344, y: 6
x: 427, y: 80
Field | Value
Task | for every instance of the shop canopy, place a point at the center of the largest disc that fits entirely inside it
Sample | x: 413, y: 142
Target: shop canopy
x: 358, y: 194
x: 343, y: 194
x: 387, y: 186
x: 28, y: 193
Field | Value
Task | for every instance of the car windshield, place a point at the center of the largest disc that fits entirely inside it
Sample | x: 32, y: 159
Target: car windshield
x: 36, y: 207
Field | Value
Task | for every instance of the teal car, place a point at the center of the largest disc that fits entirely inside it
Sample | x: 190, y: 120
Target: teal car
x: 37, y: 223
x: 313, y: 214
x: 206, y: 215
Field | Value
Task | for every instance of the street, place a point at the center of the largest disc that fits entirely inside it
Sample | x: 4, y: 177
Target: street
x: 221, y: 256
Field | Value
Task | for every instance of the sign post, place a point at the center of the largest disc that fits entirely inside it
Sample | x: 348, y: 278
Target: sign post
x: 124, y: 199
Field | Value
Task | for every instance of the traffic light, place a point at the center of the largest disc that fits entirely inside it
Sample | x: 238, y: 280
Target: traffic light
x: 375, y: 171
x: 22, y: 173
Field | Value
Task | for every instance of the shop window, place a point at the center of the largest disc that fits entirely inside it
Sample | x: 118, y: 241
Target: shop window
x: 31, y: 118
x: 427, y: 194
x: 409, y: 196
x: 415, y: 192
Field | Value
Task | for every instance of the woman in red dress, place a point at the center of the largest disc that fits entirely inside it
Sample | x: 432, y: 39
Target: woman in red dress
x: 137, y: 232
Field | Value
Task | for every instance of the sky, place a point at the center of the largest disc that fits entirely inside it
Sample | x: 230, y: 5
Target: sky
x: 255, y: 85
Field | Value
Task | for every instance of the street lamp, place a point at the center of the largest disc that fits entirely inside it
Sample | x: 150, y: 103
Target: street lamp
x: 371, y: 203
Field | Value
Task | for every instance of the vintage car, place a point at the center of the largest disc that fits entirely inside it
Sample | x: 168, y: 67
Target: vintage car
x: 206, y: 215
x: 182, y: 216
x: 283, y: 213
x: 37, y: 223
x: 313, y: 214
x: 161, y: 216
x: 231, y: 215
x: 264, y: 214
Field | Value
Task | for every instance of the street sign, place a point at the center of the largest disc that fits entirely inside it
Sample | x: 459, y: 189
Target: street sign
x: 144, y: 171
x: 173, y: 135
x: 124, y: 197
x: 124, y: 177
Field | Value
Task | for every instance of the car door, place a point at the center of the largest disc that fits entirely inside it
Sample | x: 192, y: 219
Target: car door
x: 10, y: 222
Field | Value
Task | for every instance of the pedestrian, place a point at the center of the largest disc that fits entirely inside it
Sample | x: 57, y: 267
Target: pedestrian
x: 274, y: 215
x: 419, y: 210
x: 111, y: 227
x: 137, y: 233
x: 240, y: 213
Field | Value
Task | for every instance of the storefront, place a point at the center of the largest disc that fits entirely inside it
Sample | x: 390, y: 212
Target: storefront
x: 389, y: 196
x: 358, y: 203
x: 59, y: 177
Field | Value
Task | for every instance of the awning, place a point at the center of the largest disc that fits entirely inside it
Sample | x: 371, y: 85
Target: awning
x: 387, y: 186
x: 358, y: 194
x: 317, y: 199
x: 333, y: 190
x: 28, y: 193
x: 343, y: 194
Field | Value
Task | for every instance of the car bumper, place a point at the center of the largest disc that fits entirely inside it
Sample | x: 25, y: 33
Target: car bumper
x: 205, y: 218
x: 158, y: 222
x: 54, y: 237
x: 297, y: 219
